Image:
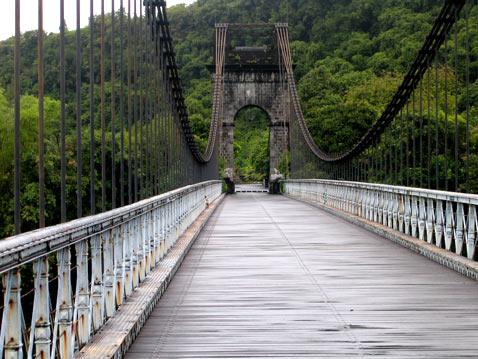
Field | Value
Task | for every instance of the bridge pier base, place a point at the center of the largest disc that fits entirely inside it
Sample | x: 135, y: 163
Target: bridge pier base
x: 274, y: 182
x: 274, y: 187
x: 230, y: 186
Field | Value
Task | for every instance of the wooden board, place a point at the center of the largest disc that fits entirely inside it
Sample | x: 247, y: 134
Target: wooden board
x: 270, y: 277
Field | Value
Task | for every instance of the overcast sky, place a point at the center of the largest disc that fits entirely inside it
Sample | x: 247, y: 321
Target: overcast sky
x: 51, y: 11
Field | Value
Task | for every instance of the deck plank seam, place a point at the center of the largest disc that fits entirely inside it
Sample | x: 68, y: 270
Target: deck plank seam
x: 314, y: 281
x: 185, y: 289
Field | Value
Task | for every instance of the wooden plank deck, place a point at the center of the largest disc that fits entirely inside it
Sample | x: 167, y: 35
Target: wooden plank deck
x: 271, y: 277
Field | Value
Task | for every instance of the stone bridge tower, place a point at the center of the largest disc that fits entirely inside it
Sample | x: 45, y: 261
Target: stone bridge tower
x: 253, y: 77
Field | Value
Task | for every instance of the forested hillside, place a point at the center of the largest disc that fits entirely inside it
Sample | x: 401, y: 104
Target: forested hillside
x: 350, y: 56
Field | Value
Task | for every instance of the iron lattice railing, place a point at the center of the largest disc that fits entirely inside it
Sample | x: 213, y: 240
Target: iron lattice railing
x: 447, y: 219
x: 102, y: 258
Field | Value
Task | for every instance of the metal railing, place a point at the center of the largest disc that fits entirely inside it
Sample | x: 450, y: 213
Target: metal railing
x: 102, y: 258
x: 446, y: 219
x: 423, y: 138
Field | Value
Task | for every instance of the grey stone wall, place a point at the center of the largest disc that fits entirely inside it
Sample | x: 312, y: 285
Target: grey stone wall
x: 264, y: 89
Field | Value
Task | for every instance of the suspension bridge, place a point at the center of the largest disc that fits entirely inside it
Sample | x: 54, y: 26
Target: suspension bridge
x: 370, y: 251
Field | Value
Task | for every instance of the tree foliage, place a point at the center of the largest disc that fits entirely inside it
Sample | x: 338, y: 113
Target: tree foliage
x: 349, y: 58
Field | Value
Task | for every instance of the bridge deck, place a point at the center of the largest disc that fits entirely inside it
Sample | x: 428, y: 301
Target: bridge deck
x: 272, y: 277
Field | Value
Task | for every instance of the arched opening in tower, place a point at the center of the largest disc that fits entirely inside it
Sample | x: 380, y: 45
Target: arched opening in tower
x: 251, y: 145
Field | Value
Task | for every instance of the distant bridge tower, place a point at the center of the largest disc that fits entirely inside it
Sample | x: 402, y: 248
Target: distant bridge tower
x: 253, y: 77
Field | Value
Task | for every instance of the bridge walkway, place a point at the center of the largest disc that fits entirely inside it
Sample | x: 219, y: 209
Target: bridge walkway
x: 270, y: 277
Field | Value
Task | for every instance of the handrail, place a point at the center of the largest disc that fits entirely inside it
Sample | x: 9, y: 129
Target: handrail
x: 110, y: 254
x: 23, y: 248
x: 410, y: 191
x: 446, y: 219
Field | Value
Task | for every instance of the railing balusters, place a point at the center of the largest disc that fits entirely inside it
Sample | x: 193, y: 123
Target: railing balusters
x: 446, y: 219
x: 125, y: 245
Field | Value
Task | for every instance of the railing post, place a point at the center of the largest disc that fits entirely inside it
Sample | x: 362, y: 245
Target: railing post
x: 181, y: 214
x: 162, y: 230
x: 440, y: 224
x: 97, y: 290
x: 82, y: 301
x: 41, y: 312
x: 391, y: 206
x: 119, y: 264
x: 471, y: 233
x: 460, y: 228
x: 414, y: 217
x: 422, y: 217
x: 147, y: 243
x: 11, y: 332
x: 152, y: 239
x: 128, y: 275
x: 371, y: 201
x: 375, y: 206
x: 169, y: 225
x: 385, y: 208
x: 449, y: 225
x: 363, y: 203
x: 157, y: 233
x: 401, y: 213
x: 379, y: 201
x: 65, y: 315
x: 430, y: 220
x: 407, y: 215
x: 141, y: 248
x: 109, y: 274
x: 135, y: 239
x: 177, y: 219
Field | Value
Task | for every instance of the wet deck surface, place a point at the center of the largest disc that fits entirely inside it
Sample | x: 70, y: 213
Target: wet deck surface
x: 270, y: 277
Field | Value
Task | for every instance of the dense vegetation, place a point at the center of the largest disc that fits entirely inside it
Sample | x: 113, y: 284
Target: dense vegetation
x: 251, y: 145
x: 350, y: 55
